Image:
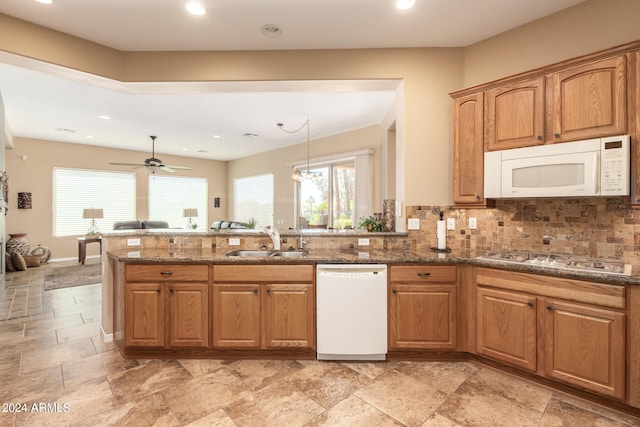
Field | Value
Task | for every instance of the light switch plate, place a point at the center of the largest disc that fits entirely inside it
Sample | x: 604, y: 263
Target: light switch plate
x: 451, y: 223
x: 363, y: 242
x: 234, y: 242
x: 473, y: 223
x: 413, y: 224
x: 133, y: 242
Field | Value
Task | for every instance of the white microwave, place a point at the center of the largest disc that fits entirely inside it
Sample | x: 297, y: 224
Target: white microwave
x: 594, y: 167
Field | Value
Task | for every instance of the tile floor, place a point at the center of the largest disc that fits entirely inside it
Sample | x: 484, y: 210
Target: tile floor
x: 54, y: 370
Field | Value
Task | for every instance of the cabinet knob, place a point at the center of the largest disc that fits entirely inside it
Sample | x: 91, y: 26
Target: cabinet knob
x: 530, y: 304
x: 557, y: 135
x: 424, y: 274
x: 394, y: 291
x: 255, y: 291
x: 549, y: 308
x: 268, y: 290
x: 171, y: 290
x: 477, y: 197
x: 158, y: 290
x: 539, y: 137
x: 166, y: 273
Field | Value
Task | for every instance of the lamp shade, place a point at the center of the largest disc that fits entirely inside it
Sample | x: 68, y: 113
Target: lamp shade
x: 93, y: 213
x: 190, y: 213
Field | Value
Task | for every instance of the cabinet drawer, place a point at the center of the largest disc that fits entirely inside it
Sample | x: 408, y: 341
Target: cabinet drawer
x: 263, y: 273
x: 167, y: 272
x: 423, y: 273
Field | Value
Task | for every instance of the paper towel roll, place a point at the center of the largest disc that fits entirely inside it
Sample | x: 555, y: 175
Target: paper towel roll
x: 441, y: 235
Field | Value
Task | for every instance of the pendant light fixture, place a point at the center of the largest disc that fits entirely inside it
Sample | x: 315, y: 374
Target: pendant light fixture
x: 297, y: 175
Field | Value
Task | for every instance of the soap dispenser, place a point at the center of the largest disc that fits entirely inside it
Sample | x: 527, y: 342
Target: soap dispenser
x: 441, y: 233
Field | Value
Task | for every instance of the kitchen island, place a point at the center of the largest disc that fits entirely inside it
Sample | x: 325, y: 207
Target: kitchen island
x: 188, y: 290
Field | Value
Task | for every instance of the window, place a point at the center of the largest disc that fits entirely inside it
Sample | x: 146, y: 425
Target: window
x: 326, y: 196
x: 253, y: 199
x: 169, y: 196
x: 78, y: 189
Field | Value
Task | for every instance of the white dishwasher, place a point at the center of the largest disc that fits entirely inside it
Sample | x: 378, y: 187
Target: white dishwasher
x: 351, y: 311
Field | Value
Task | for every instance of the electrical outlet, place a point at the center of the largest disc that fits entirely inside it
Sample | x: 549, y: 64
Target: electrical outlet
x: 413, y: 224
x: 473, y: 223
x: 451, y: 223
x: 363, y: 242
x: 234, y: 242
x: 133, y: 242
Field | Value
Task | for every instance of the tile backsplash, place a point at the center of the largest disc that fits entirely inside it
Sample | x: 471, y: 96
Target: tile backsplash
x: 595, y: 227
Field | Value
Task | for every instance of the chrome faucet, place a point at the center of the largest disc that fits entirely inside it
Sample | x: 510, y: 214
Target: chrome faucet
x: 275, y: 236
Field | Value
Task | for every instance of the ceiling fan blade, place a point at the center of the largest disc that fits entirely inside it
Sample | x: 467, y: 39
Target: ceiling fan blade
x: 179, y: 167
x: 165, y: 168
x: 126, y: 164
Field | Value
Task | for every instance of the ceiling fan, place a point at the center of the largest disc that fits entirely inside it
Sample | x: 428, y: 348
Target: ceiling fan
x: 152, y: 163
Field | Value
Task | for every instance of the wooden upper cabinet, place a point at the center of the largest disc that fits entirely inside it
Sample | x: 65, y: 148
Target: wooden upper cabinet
x: 514, y: 115
x: 588, y: 101
x: 468, y: 150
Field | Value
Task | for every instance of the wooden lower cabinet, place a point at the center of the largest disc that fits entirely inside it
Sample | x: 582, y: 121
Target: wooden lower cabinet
x: 560, y: 332
x: 263, y: 307
x: 166, y: 306
x: 584, y: 346
x: 422, y: 307
x: 144, y: 315
x: 506, y: 327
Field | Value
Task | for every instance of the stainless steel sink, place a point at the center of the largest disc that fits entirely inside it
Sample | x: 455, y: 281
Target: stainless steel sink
x: 266, y: 253
x: 250, y: 253
x: 292, y: 254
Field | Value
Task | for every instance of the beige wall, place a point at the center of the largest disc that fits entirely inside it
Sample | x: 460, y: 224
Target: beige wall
x: 277, y: 161
x: 34, y: 175
x: 424, y: 111
x: 588, y: 27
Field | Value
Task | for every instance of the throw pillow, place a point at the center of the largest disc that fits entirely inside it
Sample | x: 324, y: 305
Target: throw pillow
x: 32, y: 260
x: 18, y: 261
x: 8, y: 262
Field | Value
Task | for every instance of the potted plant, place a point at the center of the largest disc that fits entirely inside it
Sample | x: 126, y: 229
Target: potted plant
x: 252, y: 223
x: 371, y: 223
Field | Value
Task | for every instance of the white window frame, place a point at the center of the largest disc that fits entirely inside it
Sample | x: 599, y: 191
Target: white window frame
x: 170, y: 197
x: 244, y: 214
x: 113, y: 192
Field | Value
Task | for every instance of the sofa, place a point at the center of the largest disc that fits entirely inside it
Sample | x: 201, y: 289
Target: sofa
x: 221, y: 225
x: 139, y: 225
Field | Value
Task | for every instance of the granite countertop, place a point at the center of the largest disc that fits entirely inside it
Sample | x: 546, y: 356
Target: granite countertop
x: 363, y: 257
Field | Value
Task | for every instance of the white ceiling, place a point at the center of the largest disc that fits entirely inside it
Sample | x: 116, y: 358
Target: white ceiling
x: 46, y: 102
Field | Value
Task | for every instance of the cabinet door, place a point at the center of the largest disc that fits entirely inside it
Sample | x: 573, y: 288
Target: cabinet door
x: 514, y: 115
x: 589, y: 101
x: 144, y: 315
x: 468, y: 150
x: 289, y: 315
x: 506, y: 327
x: 584, y: 346
x: 422, y: 316
x: 189, y: 313
x: 236, y: 315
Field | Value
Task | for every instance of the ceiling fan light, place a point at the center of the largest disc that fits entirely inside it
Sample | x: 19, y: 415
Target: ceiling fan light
x: 405, y: 4
x: 195, y: 8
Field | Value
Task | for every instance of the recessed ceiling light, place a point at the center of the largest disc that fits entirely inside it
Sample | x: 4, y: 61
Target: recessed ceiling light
x: 45, y: 1
x: 271, y: 30
x: 216, y: 136
x: 90, y: 136
x: 405, y: 4
x: 195, y: 8
x: 103, y: 117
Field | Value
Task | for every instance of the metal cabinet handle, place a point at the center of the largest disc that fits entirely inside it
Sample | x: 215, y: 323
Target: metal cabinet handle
x: 171, y: 290
x: 255, y: 291
x: 539, y: 137
x: 549, y: 308
x: 424, y: 274
x: 557, y: 135
x: 268, y: 290
x: 158, y: 290
x: 394, y: 291
x: 166, y: 273
x: 530, y: 304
